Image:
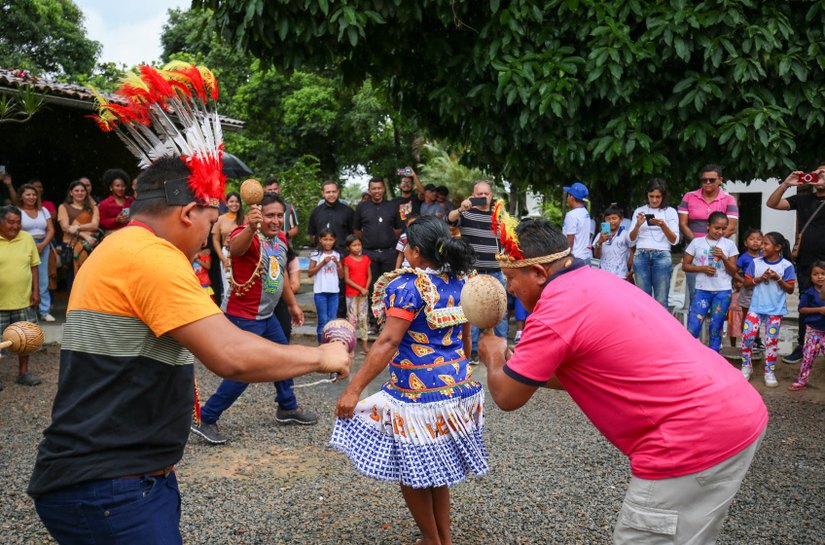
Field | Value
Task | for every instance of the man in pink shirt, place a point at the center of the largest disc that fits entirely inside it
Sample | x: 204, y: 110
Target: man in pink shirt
x: 688, y: 421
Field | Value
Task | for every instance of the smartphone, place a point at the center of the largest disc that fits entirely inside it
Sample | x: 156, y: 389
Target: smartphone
x: 649, y: 217
x: 404, y: 171
x: 478, y: 201
x: 605, y: 228
x: 126, y: 212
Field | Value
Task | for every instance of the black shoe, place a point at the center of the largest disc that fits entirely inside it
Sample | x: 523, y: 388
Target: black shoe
x: 28, y: 379
x: 210, y: 432
x: 296, y: 416
x: 794, y: 357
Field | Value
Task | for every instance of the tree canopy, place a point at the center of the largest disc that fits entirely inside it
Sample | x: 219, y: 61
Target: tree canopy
x: 290, y: 115
x: 45, y: 36
x: 545, y: 92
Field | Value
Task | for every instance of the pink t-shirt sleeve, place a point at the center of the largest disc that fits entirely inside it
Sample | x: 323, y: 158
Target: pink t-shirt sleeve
x: 731, y: 208
x: 538, y: 354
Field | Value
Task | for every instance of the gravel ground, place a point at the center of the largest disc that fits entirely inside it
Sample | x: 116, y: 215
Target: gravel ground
x: 553, y: 478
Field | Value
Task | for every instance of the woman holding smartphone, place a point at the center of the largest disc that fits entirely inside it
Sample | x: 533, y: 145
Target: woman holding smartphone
x: 655, y: 230
x: 114, y: 209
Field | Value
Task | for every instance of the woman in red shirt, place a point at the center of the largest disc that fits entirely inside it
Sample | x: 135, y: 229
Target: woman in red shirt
x: 114, y: 209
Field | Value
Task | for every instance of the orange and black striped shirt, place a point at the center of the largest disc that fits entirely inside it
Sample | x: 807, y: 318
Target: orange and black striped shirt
x: 125, y: 393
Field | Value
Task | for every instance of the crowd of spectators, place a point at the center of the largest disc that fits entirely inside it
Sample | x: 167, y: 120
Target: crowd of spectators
x: 637, y: 247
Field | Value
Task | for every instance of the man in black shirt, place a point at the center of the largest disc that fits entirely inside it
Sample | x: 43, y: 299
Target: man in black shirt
x: 378, y: 224
x: 335, y: 215
x: 809, y: 207
x: 412, y: 195
x: 332, y: 214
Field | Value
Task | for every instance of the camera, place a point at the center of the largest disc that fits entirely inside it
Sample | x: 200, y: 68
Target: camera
x: 404, y: 171
x: 808, y: 177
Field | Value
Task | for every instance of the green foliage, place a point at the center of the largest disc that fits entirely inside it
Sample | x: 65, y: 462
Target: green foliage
x: 20, y: 108
x: 45, y: 36
x: 443, y: 167
x: 301, y: 187
x: 296, y: 113
x: 105, y: 76
x: 611, y: 93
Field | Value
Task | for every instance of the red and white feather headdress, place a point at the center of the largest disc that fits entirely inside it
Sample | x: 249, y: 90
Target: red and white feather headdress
x: 171, y: 112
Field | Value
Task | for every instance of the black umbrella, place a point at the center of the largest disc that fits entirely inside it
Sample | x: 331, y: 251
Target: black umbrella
x: 233, y: 167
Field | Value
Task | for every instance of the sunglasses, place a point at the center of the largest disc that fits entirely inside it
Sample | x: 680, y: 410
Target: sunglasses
x: 709, y: 180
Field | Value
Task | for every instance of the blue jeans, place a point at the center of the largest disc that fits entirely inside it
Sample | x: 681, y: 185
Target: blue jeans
x: 230, y: 390
x: 501, y: 328
x: 131, y: 511
x: 43, y: 279
x: 716, y: 304
x: 326, y: 305
x: 652, y: 270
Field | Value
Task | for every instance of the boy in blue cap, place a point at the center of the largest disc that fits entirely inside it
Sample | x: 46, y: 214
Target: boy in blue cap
x: 576, y: 223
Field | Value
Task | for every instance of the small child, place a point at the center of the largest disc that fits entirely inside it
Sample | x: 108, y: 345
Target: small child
x: 735, y: 315
x: 812, y: 313
x: 325, y: 268
x: 357, y: 277
x: 753, y: 249
x: 201, y: 265
x: 612, y: 246
x: 714, y: 258
x: 400, y: 260
x: 772, y: 277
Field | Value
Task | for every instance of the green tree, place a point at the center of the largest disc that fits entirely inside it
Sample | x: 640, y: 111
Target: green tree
x: 292, y: 114
x: 45, y: 36
x: 545, y: 92
x: 443, y: 166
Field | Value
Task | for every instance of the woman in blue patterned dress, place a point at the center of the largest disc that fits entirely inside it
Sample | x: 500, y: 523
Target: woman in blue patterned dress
x: 424, y: 428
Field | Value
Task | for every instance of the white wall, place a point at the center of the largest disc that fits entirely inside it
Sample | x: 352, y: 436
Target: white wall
x: 783, y: 221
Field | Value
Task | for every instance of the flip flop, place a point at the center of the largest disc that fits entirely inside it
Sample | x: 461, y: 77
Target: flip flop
x: 797, y: 387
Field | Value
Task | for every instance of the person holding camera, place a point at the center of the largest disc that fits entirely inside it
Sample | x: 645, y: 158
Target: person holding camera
x: 412, y: 193
x: 655, y: 231
x: 810, y: 238
x: 474, y: 219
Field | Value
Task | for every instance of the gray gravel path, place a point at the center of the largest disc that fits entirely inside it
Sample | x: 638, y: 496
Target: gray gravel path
x: 553, y: 478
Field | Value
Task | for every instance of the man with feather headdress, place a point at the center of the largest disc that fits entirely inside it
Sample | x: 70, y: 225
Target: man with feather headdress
x: 105, y: 469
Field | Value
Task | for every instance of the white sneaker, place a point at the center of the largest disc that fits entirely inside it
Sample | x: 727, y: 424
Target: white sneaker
x: 770, y: 380
x: 48, y: 318
x: 747, y: 370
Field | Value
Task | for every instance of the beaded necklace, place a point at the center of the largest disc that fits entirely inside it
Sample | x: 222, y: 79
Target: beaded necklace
x: 239, y: 289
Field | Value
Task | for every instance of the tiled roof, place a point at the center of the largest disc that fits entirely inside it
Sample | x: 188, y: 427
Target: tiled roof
x: 13, y: 78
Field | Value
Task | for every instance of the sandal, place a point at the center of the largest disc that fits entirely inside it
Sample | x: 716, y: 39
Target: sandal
x: 797, y: 387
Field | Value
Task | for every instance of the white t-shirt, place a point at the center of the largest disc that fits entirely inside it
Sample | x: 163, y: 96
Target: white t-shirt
x: 577, y: 223
x: 768, y: 297
x: 615, y: 252
x: 700, y: 248
x: 652, y: 237
x: 36, y: 227
x: 326, y: 279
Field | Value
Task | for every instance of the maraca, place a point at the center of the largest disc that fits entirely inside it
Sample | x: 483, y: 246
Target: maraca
x: 339, y: 330
x: 484, y: 301
x: 22, y: 338
x: 252, y: 192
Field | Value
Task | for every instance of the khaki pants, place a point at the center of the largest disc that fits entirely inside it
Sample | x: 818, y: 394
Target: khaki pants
x: 686, y: 510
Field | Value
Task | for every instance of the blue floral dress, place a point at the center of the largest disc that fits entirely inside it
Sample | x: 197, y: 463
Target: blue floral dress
x: 424, y: 428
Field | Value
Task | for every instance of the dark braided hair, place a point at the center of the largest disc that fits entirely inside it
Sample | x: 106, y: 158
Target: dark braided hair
x: 432, y: 238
